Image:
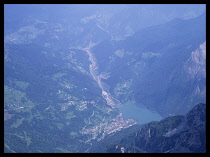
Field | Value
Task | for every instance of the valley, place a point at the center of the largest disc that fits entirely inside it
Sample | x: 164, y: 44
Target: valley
x: 118, y: 123
x: 111, y: 101
x: 129, y: 110
x: 103, y: 78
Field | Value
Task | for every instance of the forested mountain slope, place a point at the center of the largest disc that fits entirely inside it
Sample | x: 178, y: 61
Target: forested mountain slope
x: 175, y: 134
x: 162, y: 67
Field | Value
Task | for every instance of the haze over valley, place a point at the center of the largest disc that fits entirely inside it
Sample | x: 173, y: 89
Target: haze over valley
x: 108, y: 78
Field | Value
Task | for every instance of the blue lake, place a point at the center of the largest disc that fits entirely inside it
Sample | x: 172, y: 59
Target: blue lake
x: 139, y: 113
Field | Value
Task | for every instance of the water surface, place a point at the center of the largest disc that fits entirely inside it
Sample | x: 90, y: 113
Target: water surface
x: 139, y: 113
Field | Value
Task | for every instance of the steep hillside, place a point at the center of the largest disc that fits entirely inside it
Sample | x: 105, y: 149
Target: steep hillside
x: 176, y: 134
x: 154, y: 66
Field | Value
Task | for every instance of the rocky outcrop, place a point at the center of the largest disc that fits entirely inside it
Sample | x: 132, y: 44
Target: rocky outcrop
x: 190, y: 135
x: 176, y: 134
x: 196, y: 64
x: 188, y: 82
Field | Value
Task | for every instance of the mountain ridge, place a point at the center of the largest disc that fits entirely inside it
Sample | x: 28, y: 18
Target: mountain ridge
x: 175, y: 134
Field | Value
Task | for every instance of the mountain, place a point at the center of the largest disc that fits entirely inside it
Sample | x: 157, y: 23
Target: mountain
x: 118, y: 20
x: 68, y: 69
x: 154, y: 66
x: 175, y: 134
x: 50, y: 96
